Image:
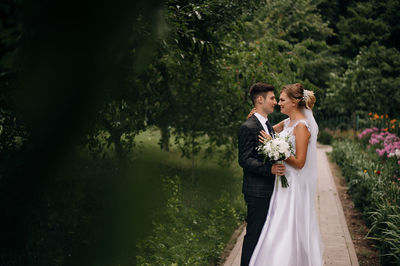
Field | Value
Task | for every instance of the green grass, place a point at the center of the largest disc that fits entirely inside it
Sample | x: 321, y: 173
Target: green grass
x: 201, y: 195
x: 97, y: 211
x: 210, y: 177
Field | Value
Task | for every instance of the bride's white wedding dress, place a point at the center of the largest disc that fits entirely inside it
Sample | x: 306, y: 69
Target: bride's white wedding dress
x: 290, y: 235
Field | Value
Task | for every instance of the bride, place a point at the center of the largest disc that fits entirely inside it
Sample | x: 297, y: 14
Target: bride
x: 290, y: 235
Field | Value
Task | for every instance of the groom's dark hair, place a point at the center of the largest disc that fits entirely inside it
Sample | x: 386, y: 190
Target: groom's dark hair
x: 258, y: 89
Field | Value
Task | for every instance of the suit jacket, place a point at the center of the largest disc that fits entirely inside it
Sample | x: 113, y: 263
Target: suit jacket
x: 258, y: 181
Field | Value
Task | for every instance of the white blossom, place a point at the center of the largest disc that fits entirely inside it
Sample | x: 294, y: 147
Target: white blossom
x: 276, y: 149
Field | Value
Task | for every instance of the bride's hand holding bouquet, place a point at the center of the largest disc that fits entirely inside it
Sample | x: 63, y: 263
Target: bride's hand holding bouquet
x: 275, y: 150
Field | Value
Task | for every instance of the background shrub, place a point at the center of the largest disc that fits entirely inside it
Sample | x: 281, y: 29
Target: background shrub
x: 324, y: 137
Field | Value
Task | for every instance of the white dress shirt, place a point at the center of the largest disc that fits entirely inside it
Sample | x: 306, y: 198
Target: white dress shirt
x: 262, y: 120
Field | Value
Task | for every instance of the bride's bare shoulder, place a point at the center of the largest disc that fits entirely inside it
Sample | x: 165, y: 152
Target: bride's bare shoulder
x: 302, y: 128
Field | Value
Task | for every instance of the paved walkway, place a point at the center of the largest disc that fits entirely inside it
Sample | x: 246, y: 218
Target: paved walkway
x: 339, y: 248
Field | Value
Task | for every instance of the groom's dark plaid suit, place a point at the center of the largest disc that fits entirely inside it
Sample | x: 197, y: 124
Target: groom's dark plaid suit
x: 258, y: 184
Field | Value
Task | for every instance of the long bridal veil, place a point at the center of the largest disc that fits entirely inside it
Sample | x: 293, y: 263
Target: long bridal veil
x: 312, y: 123
x: 312, y: 234
x: 310, y: 167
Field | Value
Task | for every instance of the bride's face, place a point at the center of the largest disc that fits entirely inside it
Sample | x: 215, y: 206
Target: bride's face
x: 285, y: 103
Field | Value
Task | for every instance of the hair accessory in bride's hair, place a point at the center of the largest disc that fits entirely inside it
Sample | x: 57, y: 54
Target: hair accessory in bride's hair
x: 306, y: 95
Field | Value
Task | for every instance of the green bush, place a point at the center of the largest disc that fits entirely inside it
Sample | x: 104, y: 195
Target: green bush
x: 375, y: 190
x: 183, y: 236
x: 324, y: 137
x: 386, y: 231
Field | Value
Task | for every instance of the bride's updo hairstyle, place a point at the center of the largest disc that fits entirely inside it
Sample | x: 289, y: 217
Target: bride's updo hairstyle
x: 297, y: 93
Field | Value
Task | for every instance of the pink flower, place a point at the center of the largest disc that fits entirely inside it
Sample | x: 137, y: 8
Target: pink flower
x: 367, y: 131
x: 374, y: 141
x: 388, y: 143
x: 380, y: 152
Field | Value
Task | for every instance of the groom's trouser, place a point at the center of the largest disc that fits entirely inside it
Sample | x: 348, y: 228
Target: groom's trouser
x: 257, y: 210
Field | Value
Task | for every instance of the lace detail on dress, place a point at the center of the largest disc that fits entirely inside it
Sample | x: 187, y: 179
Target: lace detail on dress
x: 303, y: 121
x: 288, y: 130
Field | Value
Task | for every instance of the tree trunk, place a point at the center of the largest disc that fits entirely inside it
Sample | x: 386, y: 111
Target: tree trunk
x: 193, y: 165
x: 165, y: 135
x: 353, y: 118
x: 116, y: 138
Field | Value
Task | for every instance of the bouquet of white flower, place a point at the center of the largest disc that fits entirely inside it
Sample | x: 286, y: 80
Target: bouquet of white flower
x: 276, y: 150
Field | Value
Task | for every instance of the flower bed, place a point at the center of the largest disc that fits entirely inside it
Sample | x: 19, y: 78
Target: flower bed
x: 371, y: 168
x: 387, y: 144
x: 384, y: 122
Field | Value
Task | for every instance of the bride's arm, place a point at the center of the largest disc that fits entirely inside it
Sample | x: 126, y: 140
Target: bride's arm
x: 278, y: 127
x: 251, y: 113
x: 302, y: 136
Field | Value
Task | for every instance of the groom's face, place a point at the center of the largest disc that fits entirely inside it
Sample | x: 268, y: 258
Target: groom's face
x: 269, y: 102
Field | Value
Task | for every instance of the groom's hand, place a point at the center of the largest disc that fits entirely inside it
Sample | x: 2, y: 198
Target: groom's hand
x: 278, y: 169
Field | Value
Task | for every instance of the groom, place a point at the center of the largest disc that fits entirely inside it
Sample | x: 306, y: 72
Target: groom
x: 258, y: 177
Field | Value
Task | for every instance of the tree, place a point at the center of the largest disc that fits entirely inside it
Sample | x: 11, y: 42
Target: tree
x: 185, y: 89
x: 285, y: 42
x: 361, y: 27
x: 364, y: 87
